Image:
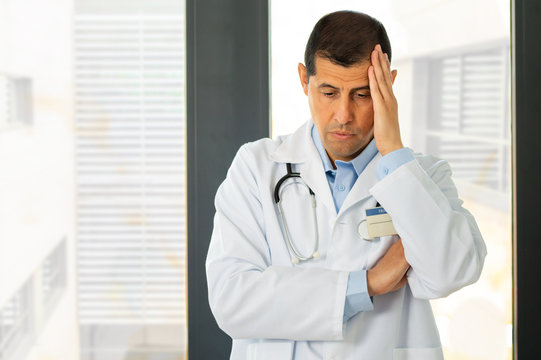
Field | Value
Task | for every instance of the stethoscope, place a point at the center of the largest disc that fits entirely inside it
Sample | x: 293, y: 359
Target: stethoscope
x: 297, y: 256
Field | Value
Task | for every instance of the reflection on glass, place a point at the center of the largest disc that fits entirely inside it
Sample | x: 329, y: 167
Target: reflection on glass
x: 453, y: 93
x: 16, y: 321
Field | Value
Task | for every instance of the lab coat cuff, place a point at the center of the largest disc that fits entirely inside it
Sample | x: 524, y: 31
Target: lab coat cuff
x: 357, y: 298
x: 393, y: 161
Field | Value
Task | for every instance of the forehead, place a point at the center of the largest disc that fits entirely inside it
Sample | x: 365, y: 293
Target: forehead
x: 341, y: 76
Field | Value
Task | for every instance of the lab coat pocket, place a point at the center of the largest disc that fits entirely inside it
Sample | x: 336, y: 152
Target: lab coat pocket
x: 418, y: 354
x: 270, y: 350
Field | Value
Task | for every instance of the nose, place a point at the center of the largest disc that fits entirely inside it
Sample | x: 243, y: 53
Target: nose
x: 344, y: 111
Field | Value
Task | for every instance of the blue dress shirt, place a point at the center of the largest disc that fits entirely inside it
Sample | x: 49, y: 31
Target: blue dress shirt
x: 341, y: 180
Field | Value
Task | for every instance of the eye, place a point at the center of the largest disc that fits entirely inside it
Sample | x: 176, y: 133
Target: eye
x: 362, y: 96
x: 329, y: 94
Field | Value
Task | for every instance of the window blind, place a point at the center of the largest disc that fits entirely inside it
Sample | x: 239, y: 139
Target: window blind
x: 469, y: 115
x: 15, y: 100
x: 130, y: 168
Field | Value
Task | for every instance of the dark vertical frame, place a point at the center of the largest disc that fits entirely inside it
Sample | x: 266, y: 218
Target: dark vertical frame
x: 526, y: 74
x: 227, y: 105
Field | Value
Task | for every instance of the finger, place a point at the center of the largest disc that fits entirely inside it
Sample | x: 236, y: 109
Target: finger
x: 386, y: 64
x: 377, y: 98
x: 383, y: 72
x: 389, y: 66
x: 379, y: 76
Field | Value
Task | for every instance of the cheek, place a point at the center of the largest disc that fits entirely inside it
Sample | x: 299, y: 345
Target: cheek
x: 365, y: 114
x: 318, y: 107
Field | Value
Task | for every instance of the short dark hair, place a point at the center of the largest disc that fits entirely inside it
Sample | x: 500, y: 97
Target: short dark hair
x: 345, y: 38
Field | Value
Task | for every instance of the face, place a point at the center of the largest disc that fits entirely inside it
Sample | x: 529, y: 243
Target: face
x: 341, y: 107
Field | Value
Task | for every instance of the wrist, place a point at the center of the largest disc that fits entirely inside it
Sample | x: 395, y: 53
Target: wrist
x: 370, y: 282
x: 389, y: 149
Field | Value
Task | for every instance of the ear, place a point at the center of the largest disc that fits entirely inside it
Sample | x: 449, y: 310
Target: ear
x: 393, y: 75
x: 303, y: 77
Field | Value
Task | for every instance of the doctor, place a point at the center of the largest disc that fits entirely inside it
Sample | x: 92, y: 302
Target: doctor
x: 295, y: 275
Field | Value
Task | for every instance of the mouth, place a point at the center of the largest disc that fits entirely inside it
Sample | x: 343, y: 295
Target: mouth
x: 341, y: 135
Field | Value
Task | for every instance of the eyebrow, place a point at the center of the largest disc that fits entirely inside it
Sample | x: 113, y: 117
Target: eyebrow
x: 325, y: 85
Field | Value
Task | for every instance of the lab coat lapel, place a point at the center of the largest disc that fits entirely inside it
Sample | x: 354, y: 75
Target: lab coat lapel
x: 364, y: 182
x: 299, y: 149
x: 313, y: 173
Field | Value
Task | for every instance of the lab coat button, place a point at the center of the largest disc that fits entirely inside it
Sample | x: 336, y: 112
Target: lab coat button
x: 332, y: 222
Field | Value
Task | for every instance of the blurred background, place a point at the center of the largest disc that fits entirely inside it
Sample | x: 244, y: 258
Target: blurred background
x: 92, y: 216
x: 93, y: 163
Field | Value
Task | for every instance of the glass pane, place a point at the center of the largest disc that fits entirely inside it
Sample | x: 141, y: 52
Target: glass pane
x: 92, y: 180
x: 129, y: 116
x: 453, y: 91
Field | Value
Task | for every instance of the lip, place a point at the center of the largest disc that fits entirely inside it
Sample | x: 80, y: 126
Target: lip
x: 341, y: 136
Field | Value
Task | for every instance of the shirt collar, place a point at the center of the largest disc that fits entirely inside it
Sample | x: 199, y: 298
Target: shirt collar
x: 359, y: 163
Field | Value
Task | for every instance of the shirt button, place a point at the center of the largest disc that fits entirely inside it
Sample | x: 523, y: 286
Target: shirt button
x: 341, y: 188
x: 386, y: 171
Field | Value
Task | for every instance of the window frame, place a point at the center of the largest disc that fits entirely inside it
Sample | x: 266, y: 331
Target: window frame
x: 227, y: 105
x: 526, y: 147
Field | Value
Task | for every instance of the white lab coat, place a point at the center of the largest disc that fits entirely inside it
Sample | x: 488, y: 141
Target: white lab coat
x: 265, y: 303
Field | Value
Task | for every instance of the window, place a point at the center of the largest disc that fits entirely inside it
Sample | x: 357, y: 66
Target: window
x: 469, y: 117
x: 453, y: 92
x: 15, y: 100
x: 130, y: 170
x: 467, y: 122
x: 53, y: 277
x: 16, y: 323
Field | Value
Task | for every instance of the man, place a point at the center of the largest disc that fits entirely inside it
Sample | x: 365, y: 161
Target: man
x: 291, y: 272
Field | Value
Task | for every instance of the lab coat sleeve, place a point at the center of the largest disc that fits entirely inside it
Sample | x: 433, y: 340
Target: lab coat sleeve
x: 250, y: 297
x: 441, y: 240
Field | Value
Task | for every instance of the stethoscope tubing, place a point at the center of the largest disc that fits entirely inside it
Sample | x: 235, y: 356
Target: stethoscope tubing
x: 297, y: 255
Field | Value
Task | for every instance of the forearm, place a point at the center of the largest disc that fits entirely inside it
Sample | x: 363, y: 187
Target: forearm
x: 441, y: 240
x: 265, y: 304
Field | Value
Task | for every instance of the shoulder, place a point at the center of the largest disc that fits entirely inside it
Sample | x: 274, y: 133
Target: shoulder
x: 253, y: 159
x: 261, y: 155
x: 260, y: 151
x: 262, y: 147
